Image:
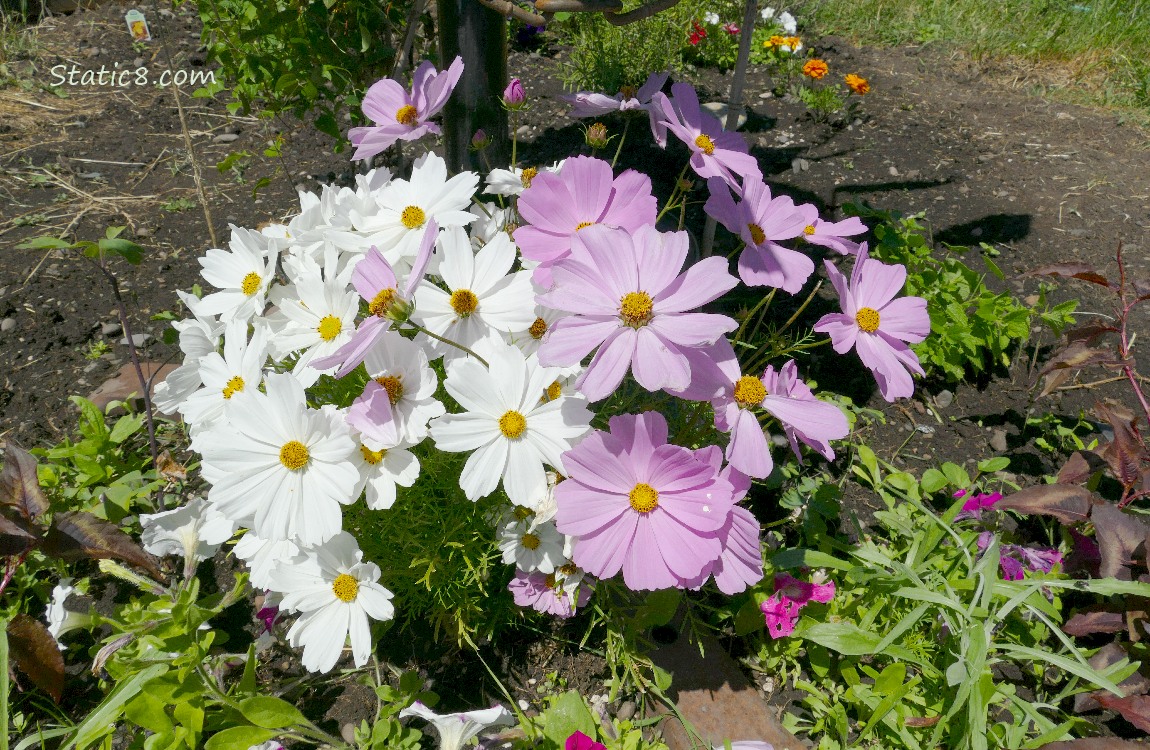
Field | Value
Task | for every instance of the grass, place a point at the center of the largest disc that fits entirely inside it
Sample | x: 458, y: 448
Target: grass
x: 1091, y: 51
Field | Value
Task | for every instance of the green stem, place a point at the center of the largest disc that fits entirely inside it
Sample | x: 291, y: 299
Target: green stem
x: 763, y: 303
x: 802, y: 307
x: 622, y: 138
x: 674, y: 194
x: 456, y: 344
x: 514, y: 138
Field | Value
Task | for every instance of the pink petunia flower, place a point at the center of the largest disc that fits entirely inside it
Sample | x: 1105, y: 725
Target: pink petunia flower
x: 1014, y: 559
x: 580, y: 741
x: 877, y: 325
x: 627, y: 297
x: 629, y: 99
x: 714, y: 152
x: 584, y: 193
x: 761, y: 222
x: 635, y: 503
x: 974, y: 506
x: 833, y: 234
x: 399, y: 116
x: 544, y: 594
x: 782, y: 608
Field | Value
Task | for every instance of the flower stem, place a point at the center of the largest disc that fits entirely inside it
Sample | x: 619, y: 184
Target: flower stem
x: 674, y: 193
x: 456, y: 344
x: 622, y: 138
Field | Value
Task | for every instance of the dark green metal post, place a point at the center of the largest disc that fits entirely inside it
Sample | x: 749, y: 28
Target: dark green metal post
x: 479, y: 35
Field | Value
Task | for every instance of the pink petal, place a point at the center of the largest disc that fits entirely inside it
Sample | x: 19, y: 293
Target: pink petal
x: 572, y: 338
x: 602, y: 553
x: 905, y: 318
x: 609, y: 365
x: 657, y: 364
x: 585, y: 510
x: 703, y: 282
x: 748, y: 450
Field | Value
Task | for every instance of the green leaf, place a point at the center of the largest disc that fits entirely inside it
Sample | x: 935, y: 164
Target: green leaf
x: 125, y: 427
x: 101, y: 722
x: 991, y: 465
x: 146, y: 711
x: 956, y: 475
x: 272, y: 713
x: 791, y: 559
x: 933, y: 480
x: 239, y: 738
x: 44, y: 243
x: 568, y: 714
x: 129, y: 251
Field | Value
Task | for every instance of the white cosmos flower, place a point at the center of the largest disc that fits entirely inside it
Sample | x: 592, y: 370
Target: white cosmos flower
x: 767, y: 13
x: 515, y: 180
x: 400, y: 366
x: 490, y: 220
x: 456, y: 729
x: 263, y: 557
x: 484, y: 298
x: 199, y: 337
x: 62, y: 620
x: 788, y: 21
x: 195, y: 531
x: 316, y: 321
x: 381, y: 470
x: 279, y: 467
x: 242, y: 274
x: 238, y: 368
x: 335, y: 593
x: 511, y: 430
x: 528, y: 339
x: 531, y: 546
x: 711, y: 18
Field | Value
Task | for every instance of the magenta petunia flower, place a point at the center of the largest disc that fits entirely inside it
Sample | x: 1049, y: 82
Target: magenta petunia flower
x: 877, y: 325
x: 399, y: 116
x: 833, y: 234
x: 782, y: 608
x: 544, y: 594
x: 762, y: 221
x: 627, y: 297
x: 714, y: 152
x: 974, y: 505
x: 629, y: 99
x: 584, y: 193
x: 635, y: 503
x: 1014, y: 559
x: 580, y: 741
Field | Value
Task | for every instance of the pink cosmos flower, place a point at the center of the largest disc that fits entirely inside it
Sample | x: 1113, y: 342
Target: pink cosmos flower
x: 629, y: 99
x: 877, y: 325
x: 580, y: 741
x: 782, y: 608
x: 399, y: 116
x: 635, y: 503
x: 731, y: 28
x: 714, y: 151
x: 584, y: 193
x: 627, y: 297
x: 761, y: 222
x: 543, y: 594
x: 741, y: 563
x: 375, y: 281
x: 832, y: 234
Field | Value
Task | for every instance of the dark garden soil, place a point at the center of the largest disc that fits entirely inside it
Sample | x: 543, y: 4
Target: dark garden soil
x: 1041, y: 182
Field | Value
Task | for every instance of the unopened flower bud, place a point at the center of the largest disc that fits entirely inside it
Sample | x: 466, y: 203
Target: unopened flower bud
x: 514, y: 97
x: 480, y: 141
x: 686, y: 185
x: 596, y: 136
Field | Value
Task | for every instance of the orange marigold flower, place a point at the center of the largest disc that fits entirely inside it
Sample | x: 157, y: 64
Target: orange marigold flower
x: 815, y: 68
x: 857, y: 84
x: 793, y: 42
x: 774, y: 41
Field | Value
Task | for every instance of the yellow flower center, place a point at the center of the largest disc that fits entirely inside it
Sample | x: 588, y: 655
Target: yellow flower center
x: 329, y: 327
x: 554, y: 391
x: 522, y: 513
x: 251, y: 283
x: 705, y: 144
x: 569, y: 569
x: 809, y: 229
x: 538, y: 328
x: 233, y: 386
x: 294, y: 455
x: 413, y: 217
x: 370, y: 456
x: 550, y: 581
x: 867, y: 318
x: 530, y: 541
x: 394, y: 387
x: 510, y: 228
x: 406, y: 115
x: 512, y: 424
x: 345, y: 588
x: 464, y: 302
x: 644, y: 498
x: 584, y: 225
x: 757, y: 233
x: 381, y: 302
x: 629, y: 92
x: 749, y: 391
x: 635, y: 308
x: 527, y: 175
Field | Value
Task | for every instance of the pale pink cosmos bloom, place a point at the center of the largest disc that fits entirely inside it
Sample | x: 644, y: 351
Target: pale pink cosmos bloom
x: 791, y: 595
x: 832, y: 234
x: 635, y: 503
x: 629, y: 99
x: 741, y: 562
x: 540, y: 592
x: 583, y: 193
x: 627, y: 297
x: 400, y: 116
x: 714, y: 152
x: 877, y: 325
x: 762, y: 222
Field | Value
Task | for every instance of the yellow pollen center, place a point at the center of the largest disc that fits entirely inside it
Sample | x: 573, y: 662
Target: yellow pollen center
x: 705, y: 144
x: 757, y: 233
x: 522, y: 513
x: 809, y: 229
x: 329, y: 327
x: 584, y: 225
x: 406, y: 115
x: 394, y: 387
x: 644, y: 498
x: 381, y: 302
x: 345, y: 588
x: 413, y: 217
x: 629, y: 92
x: 538, y: 328
x: 512, y: 424
x: 530, y: 541
x: 251, y: 283
x: 635, y: 308
x: 464, y: 302
x: 370, y: 456
x: 554, y: 391
x: 749, y: 391
x: 569, y: 569
x: 234, y: 386
x: 527, y: 176
x: 867, y: 318
x: 550, y: 581
x: 294, y: 455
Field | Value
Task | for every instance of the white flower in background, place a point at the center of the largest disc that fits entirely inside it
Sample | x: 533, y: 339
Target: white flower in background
x: 60, y: 619
x: 263, y: 557
x: 512, y: 432
x: 531, y: 546
x: 711, y: 18
x: 767, y: 14
x: 788, y: 23
x: 335, y: 593
x: 194, y: 531
x: 400, y: 365
x: 242, y: 274
x: 515, y: 180
x: 269, y: 745
x: 456, y: 729
x: 279, y: 467
x: 484, y: 298
x: 316, y: 322
x: 528, y: 339
x: 240, y: 367
x: 543, y: 504
x: 199, y: 337
x: 490, y: 221
x: 381, y: 470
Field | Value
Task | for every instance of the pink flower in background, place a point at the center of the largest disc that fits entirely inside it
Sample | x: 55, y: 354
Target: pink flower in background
x: 698, y: 34
x: 1014, y: 559
x: 804, y: 417
x: 542, y: 593
x: 833, y: 234
x: 974, y: 506
x: 782, y: 608
x: 629, y: 99
x: 399, y: 116
x: 731, y: 28
x: 580, y: 741
x: 714, y: 152
x: 635, y: 503
x: 741, y: 562
x: 514, y: 97
x: 627, y: 297
x: 761, y: 222
x: 877, y: 325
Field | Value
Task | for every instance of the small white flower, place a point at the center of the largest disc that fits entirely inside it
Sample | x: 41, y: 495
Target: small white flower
x: 711, y: 18
x: 240, y: 367
x: 531, y: 546
x: 767, y: 14
x: 789, y: 24
x: 242, y: 274
x: 263, y: 556
x: 62, y: 620
x: 401, y: 367
x: 490, y: 220
x: 381, y: 470
x: 199, y: 337
x: 194, y: 531
x: 528, y: 339
x: 456, y: 729
x: 515, y: 180
x: 317, y: 323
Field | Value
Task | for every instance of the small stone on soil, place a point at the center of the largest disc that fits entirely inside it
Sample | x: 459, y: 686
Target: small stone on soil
x: 7, y: 324
x: 110, y: 329
x: 998, y: 441
x: 138, y: 339
x: 225, y: 138
x: 944, y: 399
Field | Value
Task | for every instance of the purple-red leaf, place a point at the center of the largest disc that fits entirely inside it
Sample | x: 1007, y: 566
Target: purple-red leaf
x: 35, y: 653
x: 1134, y: 708
x: 19, y: 485
x: 1080, y: 467
x: 1090, y: 623
x: 1126, y: 453
x: 1120, y: 537
x: 1095, y: 743
x: 1077, y: 355
x: 1106, y: 657
x: 75, y: 535
x: 1072, y: 271
x: 15, y: 536
x: 1068, y: 503
x: 1089, y: 333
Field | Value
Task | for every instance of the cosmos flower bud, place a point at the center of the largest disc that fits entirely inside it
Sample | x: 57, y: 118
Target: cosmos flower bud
x: 480, y: 141
x: 514, y: 97
x: 596, y: 136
